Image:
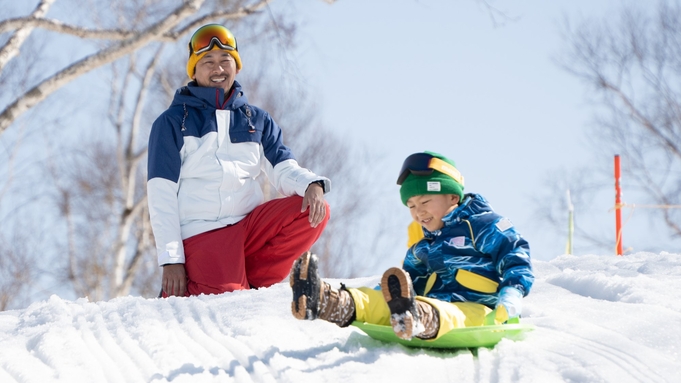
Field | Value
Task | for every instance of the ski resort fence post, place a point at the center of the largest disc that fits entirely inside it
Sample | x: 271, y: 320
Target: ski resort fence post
x: 571, y: 224
x: 618, y: 207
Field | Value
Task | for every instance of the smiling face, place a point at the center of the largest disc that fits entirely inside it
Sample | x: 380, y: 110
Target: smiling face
x: 429, y: 209
x: 217, y: 69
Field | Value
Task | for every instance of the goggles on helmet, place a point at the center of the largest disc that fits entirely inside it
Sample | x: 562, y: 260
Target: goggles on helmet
x: 423, y: 164
x: 208, y: 36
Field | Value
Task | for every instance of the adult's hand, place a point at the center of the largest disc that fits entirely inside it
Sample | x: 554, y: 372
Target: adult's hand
x: 314, y: 199
x: 174, y: 279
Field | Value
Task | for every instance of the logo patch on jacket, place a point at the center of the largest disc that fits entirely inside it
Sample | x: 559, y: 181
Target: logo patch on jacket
x: 456, y: 242
x: 504, y: 224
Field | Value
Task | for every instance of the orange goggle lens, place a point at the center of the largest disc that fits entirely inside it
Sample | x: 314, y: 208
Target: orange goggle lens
x: 206, y: 37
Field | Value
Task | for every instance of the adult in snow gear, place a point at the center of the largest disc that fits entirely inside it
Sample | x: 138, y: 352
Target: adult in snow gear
x: 215, y: 229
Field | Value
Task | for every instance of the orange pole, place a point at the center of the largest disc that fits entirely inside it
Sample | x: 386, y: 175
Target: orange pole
x: 618, y: 210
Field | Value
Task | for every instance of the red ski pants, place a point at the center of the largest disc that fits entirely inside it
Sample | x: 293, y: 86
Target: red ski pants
x: 257, y: 251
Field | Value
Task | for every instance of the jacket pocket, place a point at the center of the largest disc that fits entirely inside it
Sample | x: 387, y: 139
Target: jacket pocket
x: 242, y: 136
x: 245, y: 126
x: 476, y: 282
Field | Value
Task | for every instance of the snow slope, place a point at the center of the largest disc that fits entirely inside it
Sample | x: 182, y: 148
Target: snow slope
x: 597, y: 318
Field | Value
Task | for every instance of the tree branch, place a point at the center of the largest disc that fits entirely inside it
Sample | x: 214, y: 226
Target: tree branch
x: 36, y: 21
x: 23, y: 30
x: 637, y: 115
x: 50, y: 85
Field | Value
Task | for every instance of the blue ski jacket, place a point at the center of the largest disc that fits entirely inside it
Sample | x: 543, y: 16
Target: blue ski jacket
x: 206, y: 154
x: 471, y: 258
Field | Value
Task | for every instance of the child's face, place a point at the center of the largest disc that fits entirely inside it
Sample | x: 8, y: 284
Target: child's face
x: 429, y: 209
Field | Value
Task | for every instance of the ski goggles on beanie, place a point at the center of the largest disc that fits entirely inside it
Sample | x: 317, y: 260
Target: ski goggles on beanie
x: 207, y: 38
x: 423, y: 164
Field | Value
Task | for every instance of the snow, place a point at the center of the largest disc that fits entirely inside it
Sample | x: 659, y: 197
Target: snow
x: 598, y: 318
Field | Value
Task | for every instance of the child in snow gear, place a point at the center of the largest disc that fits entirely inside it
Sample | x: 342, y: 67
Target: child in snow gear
x: 470, y: 268
x: 214, y: 229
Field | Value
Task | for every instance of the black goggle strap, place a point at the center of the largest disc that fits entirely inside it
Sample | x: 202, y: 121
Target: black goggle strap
x: 419, y: 166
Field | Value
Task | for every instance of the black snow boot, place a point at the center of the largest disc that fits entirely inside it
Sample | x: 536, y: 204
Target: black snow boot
x: 316, y: 299
x: 306, y: 284
x: 408, y: 317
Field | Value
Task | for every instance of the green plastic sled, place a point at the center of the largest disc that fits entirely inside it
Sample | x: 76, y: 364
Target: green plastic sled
x: 468, y: 337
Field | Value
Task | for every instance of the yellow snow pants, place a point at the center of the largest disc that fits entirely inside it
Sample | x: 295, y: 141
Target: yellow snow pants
x: 370, y: 307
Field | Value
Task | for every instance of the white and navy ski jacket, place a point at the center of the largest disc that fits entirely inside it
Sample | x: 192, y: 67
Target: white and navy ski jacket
x: 205, y: 153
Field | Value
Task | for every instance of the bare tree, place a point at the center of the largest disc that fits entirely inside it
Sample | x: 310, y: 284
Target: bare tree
x: 17, y: 269
x: 100, y: 194
x: 632, y: 63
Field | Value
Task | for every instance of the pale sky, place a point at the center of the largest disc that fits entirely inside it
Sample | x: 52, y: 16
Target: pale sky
x: 403, y: 76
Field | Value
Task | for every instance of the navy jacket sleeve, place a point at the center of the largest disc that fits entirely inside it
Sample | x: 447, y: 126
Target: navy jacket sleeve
x: 509, y: 251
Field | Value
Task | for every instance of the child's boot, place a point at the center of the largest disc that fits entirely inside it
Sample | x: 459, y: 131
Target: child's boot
x: 314, y: 298
x: 430, y: 320
x: 408, y: 316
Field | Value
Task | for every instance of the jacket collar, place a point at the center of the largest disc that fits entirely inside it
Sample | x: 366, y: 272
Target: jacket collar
x: 470, y: 205
x: 216, y: 98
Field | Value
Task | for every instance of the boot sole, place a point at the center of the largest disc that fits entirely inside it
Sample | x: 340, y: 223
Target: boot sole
x: 397, y: 290
x: 398, y: 294
x: 302, y: 289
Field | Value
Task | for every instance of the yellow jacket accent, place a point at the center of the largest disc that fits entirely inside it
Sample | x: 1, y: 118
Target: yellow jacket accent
x: 476, y: 282
x: 414, y: 233
x: 430, y: 283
